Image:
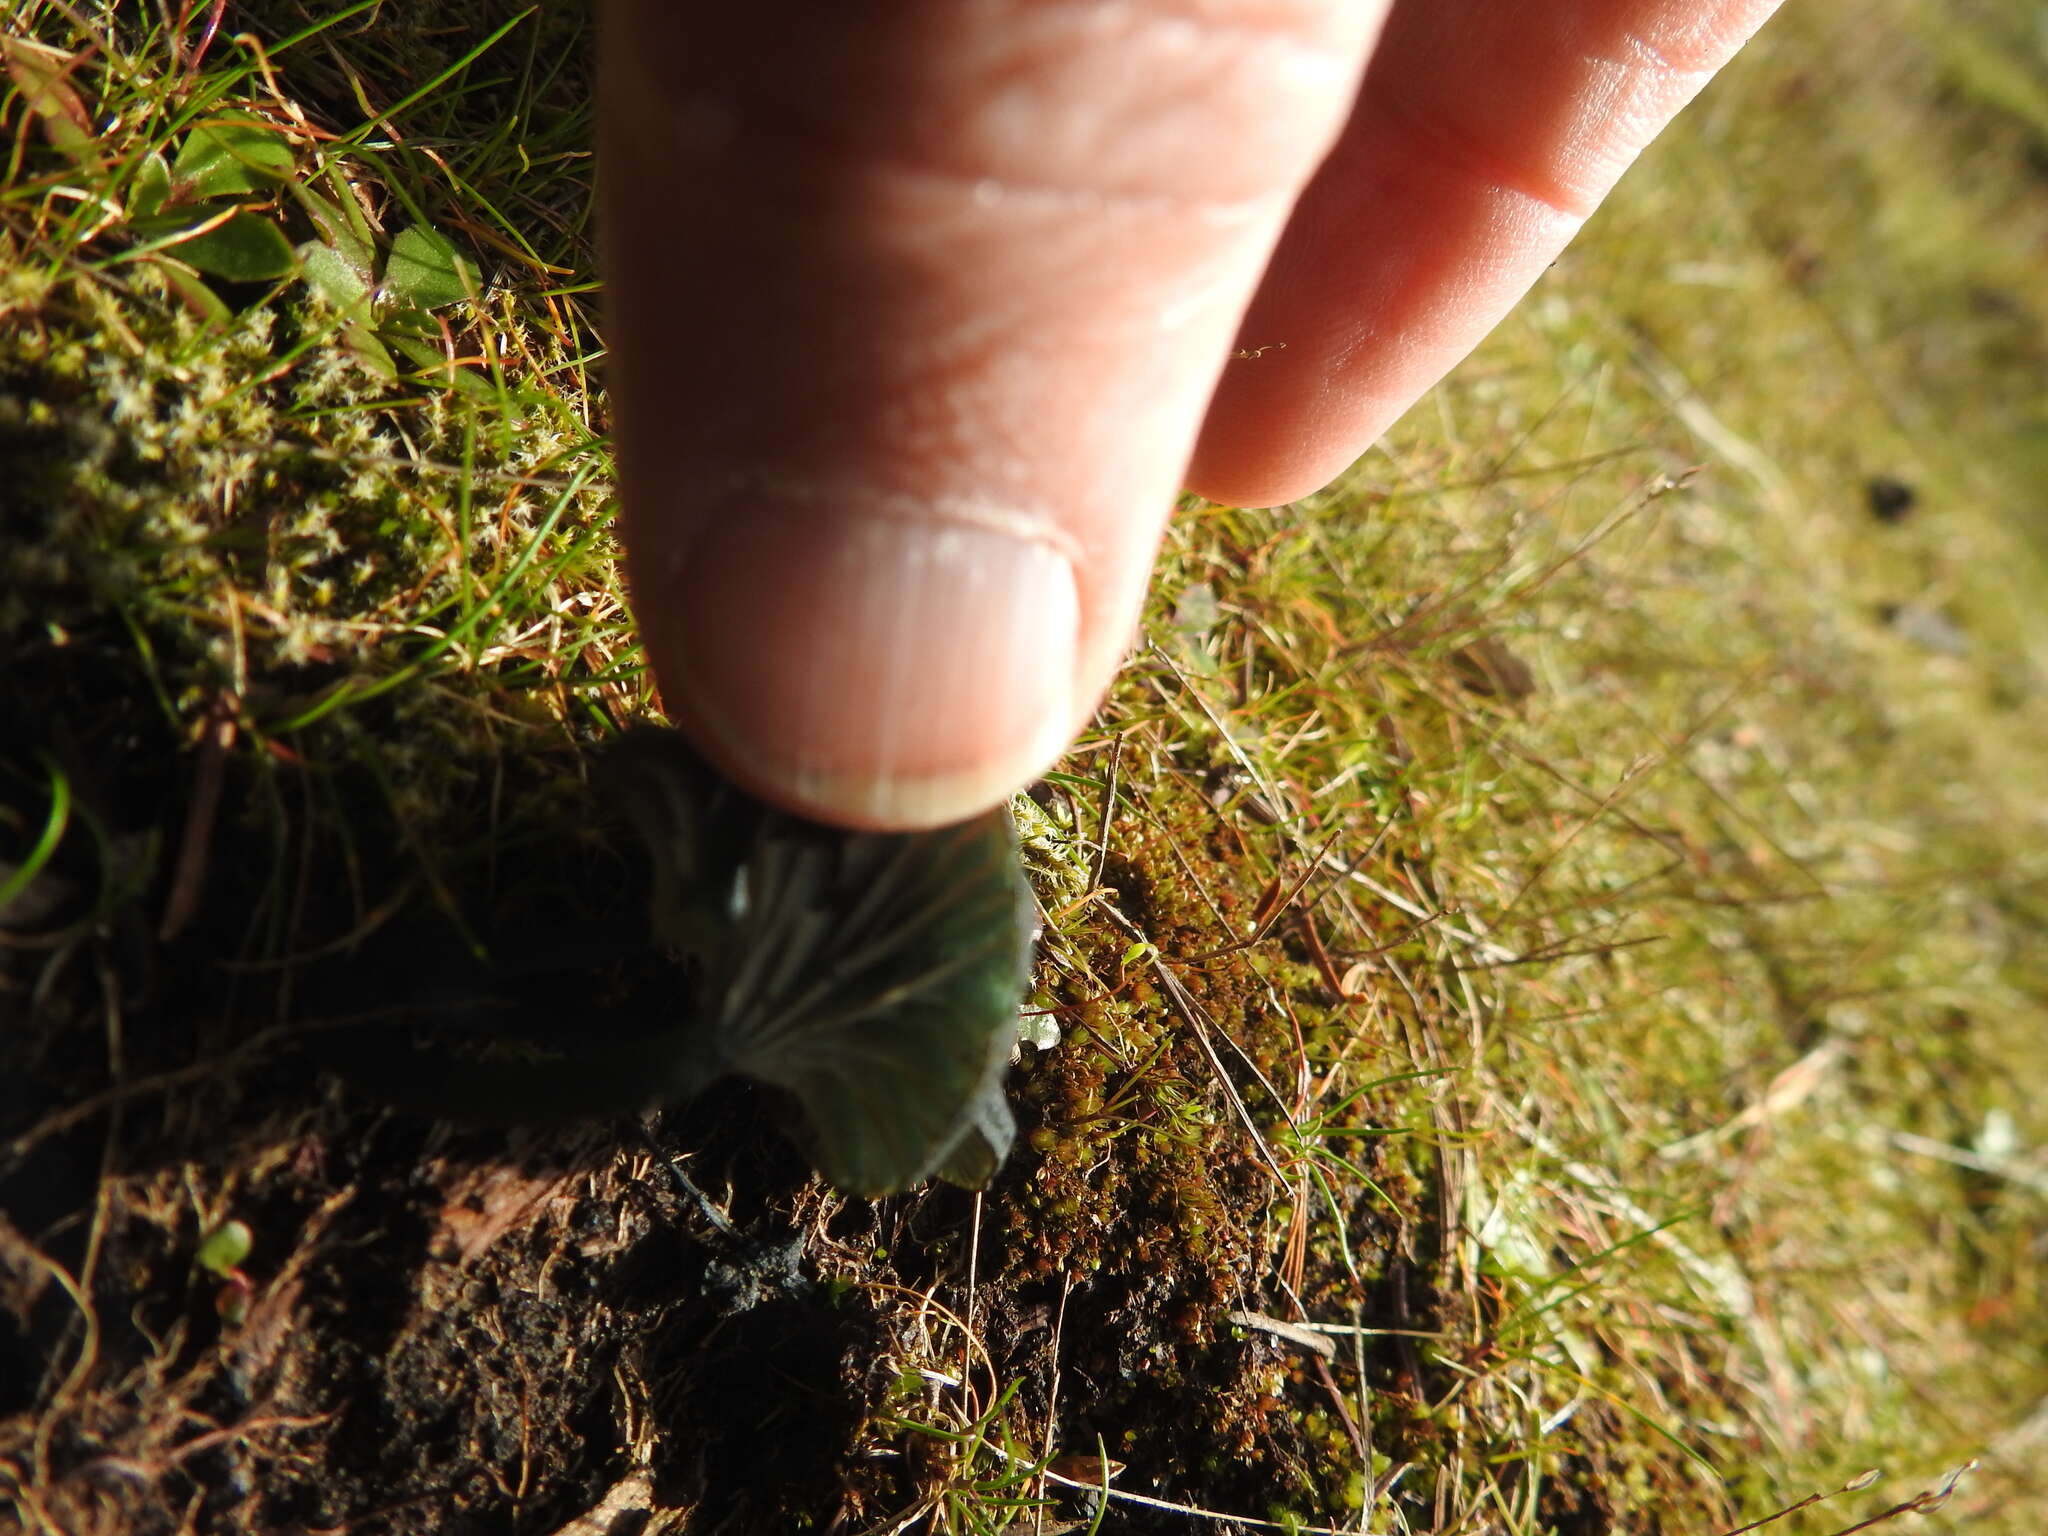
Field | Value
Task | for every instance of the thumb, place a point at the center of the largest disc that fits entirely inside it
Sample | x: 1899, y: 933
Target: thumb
x: 914, y: 312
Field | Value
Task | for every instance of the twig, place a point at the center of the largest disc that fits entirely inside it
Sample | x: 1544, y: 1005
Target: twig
x: 1302, y: 1338
x: 217, y: 735
x: 244, y: 1055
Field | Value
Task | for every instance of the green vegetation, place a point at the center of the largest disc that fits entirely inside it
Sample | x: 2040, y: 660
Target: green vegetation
x: 1548, y: 939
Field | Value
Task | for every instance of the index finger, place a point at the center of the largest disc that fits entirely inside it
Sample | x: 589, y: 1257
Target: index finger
x: 1483, y: 136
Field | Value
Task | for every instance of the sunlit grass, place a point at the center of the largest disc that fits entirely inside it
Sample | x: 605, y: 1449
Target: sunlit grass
x: 1831, y: 834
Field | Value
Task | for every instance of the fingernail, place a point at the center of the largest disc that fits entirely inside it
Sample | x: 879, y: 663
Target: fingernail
x: 872, y: 670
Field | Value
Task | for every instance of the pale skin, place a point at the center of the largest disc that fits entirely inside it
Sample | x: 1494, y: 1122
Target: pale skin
x: 921, y: 312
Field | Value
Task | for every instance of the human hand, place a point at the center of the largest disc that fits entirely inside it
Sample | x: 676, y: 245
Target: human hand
x: 921, y: 312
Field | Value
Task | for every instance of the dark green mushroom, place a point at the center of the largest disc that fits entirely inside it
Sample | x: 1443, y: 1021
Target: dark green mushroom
x: 874, y: 977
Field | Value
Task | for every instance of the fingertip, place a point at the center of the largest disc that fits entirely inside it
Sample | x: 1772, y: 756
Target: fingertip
x: 878, y: 672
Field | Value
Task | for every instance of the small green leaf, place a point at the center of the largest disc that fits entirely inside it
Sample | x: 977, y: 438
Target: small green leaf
x: 412, y: 323
x: 426, y: 269
x: 369, y: 351
x: 221, y: 159
x: 151, y: 187
x: 247, y: 248
x: 223, y: 1249
x: 191, y: 290
x: 334, y: 279
x: 351, y: 211
x: 347, y: 237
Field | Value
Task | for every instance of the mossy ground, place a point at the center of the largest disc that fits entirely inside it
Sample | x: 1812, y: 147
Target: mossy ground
x: 1563, y: 911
